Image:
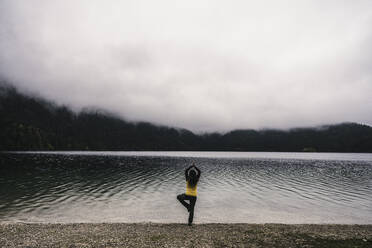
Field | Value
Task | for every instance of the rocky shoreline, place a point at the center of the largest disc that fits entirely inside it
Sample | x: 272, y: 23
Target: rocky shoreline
x: 181, y: 235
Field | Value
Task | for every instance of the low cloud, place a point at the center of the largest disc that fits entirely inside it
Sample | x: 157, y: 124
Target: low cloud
x: 202, y: 65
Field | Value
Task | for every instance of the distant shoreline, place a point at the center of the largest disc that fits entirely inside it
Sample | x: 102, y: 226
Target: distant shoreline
x: 360, y: 156
x: 181, y: 235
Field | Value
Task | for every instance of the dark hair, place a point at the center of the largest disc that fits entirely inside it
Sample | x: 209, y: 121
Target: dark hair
x: 192, y: 178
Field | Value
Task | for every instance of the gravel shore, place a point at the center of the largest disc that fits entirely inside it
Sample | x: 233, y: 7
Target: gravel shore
x: 181, y: 235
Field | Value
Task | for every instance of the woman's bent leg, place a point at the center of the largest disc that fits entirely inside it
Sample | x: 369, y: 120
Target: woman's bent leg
x: 182, y: 198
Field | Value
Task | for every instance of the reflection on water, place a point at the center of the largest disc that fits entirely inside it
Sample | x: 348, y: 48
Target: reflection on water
x: 107, y: 187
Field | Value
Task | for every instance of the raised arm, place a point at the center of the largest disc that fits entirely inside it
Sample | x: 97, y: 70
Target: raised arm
x: 187, y: 172
x: 199, y: 172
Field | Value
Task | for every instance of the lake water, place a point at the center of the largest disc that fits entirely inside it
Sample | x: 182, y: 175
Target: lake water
x: 251, y: 187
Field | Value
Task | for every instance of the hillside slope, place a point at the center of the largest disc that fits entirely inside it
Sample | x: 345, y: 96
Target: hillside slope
x: 29, y: 123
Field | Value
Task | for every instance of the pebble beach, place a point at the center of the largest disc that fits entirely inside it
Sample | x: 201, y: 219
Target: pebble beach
x: 182, y: 235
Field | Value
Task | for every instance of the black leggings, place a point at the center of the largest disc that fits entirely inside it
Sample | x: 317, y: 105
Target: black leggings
x: 190, y: 206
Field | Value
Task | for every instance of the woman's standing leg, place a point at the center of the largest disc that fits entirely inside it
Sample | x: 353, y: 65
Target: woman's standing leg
x: 191, y: 209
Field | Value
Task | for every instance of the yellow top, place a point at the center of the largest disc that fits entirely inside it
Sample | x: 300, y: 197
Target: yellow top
x: 191, y: 191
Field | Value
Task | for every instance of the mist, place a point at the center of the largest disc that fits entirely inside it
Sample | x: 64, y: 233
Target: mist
x: 201, y: 65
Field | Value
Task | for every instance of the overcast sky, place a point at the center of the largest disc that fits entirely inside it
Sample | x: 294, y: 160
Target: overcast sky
x: 203, y: 65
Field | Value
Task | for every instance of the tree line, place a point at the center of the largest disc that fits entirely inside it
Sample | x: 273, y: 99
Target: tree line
x: 31, y: 123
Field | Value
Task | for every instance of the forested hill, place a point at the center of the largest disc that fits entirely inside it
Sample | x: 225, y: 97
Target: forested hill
x: 28, y: 123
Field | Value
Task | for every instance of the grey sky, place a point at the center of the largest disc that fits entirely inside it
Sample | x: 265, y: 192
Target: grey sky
x: 202, y: 65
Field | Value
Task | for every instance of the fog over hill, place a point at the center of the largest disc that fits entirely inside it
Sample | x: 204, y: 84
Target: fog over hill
x: 31, y: 123
x: 204, y: 65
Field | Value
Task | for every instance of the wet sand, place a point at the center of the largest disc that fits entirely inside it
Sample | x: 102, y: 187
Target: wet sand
x: 181, y: 235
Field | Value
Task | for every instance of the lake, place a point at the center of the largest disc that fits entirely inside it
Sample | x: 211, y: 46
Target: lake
x: 235, y: 187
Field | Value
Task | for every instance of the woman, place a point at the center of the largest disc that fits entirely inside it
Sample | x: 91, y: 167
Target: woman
x: 192, y: 175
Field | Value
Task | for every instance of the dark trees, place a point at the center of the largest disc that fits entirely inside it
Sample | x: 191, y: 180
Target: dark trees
x: 28, y: 123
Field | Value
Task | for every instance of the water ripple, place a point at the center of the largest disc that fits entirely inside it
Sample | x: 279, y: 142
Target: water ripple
x: 80, y: 188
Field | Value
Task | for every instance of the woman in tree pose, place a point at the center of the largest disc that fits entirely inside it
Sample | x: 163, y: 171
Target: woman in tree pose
x: 192, y: 175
